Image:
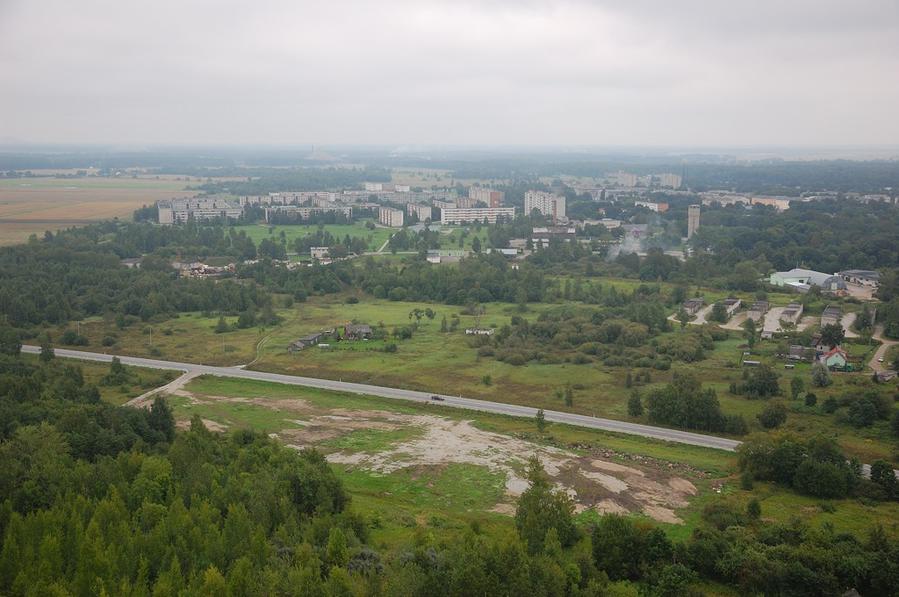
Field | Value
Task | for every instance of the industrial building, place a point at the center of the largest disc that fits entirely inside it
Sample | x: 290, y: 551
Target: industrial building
x: 803, y: 279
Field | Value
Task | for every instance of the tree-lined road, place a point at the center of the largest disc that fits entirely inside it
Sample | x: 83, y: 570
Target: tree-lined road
x: 658, y: 433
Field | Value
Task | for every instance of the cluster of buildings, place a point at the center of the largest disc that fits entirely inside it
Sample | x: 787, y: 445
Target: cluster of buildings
x: 725, y: 198
x: 178, y: 211
x: 802, y: 280
x: 665, y: 180
x: 352, y: 332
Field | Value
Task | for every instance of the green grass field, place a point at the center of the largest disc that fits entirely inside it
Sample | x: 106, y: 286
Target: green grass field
x: 375, y: 238
x: 445, y: 362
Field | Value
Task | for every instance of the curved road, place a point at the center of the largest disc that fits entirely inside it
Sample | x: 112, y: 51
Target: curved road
x: 659, y: 433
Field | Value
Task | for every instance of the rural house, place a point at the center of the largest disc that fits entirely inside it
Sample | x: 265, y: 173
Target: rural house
x: 356, y: 332
x: 835, y: 358
x: 693, y: 305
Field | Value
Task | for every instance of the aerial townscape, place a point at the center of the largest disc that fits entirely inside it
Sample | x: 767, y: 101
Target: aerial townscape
x: 432, y: 299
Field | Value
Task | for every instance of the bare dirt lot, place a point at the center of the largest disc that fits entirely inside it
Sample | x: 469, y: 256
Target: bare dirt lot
x: 599, y: 480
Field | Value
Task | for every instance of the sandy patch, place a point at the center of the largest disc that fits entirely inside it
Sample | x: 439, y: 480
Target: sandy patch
x: 614, y: 467
x: 592, y: 481
x: 613, y: 484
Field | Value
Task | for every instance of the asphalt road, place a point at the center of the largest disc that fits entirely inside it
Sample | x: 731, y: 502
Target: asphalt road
x: 658, y: 433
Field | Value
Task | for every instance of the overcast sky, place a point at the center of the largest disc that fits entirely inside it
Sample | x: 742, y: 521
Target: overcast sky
x: 635, y: 72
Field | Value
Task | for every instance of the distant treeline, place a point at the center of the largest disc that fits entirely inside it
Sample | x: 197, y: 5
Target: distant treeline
x: 298, y: 179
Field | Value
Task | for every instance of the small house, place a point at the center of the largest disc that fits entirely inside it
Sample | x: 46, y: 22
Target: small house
x: 731, y: 305
x: 801, y: 353
x: 693, y: 305
x: 835, y: 358
x: 357, y: 332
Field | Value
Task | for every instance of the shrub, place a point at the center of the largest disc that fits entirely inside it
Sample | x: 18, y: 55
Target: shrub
x: 774, y: 415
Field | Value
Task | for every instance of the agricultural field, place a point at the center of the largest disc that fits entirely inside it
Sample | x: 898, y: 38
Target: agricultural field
x: 411, y: 466
x: 427, y: 178
x: 34, y: 205
x: 376, y: 237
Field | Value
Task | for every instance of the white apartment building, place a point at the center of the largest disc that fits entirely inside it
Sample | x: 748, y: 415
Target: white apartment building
x: 171, y: 211
x: 547, y: 204
x: 464, y: 215
x: 658, y: 207
x: 625, y: 179
x: 489, y: 196
x: 422, y: 211
x: 671, y: 181
x: 304, y: 212
x: 390, y: 217
x: 441, y: 204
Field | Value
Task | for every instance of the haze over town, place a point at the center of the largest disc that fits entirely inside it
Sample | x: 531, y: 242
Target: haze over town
x: 577, y: 72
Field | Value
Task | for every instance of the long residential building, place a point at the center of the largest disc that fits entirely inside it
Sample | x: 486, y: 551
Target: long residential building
x: 171, y: 211
x: 306, y: 212
x: 548, y: 204
x: 464, y: 215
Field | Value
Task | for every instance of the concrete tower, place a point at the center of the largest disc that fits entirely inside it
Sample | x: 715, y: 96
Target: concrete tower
x: 692, y: 220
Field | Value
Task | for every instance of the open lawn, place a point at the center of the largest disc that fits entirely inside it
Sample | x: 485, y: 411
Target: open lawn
x: 375, y: 238
x: 189, y: 337
x: 33, y: 205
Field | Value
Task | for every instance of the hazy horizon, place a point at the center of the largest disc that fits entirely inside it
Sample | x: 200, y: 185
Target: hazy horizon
x: 564, y: 75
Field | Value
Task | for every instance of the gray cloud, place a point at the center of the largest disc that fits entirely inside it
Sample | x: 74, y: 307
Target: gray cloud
x: 692, y: 72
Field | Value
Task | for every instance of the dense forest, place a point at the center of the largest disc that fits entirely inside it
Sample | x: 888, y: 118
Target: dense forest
x: 103, y: 500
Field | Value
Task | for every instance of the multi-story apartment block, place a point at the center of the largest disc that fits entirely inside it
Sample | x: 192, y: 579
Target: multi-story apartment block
x: 547, y: 204
x: 173, y: 211
x: 463, y: 215
x: 389, y: 216
x: 305, y: 212
x: 423, y: 212
x: 489, y: 196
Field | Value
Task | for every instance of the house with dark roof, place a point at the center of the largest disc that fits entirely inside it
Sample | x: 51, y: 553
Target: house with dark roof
x: 862, y: 277
x: 357, y: 332
x: 757, y: 310
x: 831, y: 315
x: 693, y: 305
